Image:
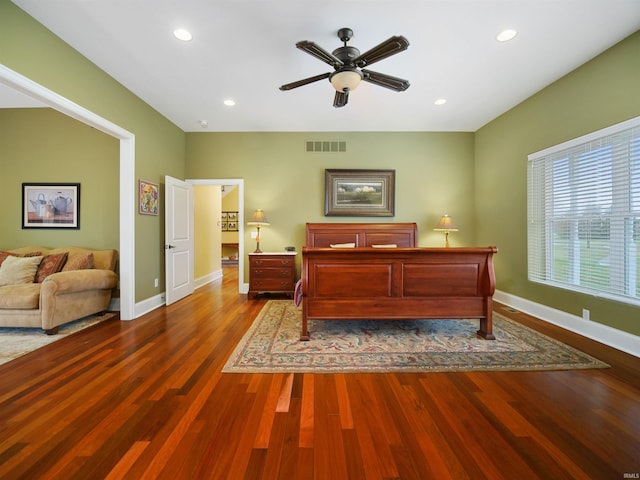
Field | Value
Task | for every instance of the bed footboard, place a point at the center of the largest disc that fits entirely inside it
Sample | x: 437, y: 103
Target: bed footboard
x: 398, y: 283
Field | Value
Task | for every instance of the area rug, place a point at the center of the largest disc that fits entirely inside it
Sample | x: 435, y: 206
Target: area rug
x: 272, y: 345
x: 15, y: 342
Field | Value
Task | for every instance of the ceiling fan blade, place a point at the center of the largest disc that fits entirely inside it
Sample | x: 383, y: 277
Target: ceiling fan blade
x: 305, y: 81
x: 387, y: 81
x: 341, y: 99
x: 387, y: 48
x: 320, y: 53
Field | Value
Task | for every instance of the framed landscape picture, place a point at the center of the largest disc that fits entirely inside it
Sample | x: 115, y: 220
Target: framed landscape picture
x: 367, y: 193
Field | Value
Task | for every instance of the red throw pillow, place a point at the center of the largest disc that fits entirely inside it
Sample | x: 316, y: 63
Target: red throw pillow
x: 4, y: 255
x: 51, y: 264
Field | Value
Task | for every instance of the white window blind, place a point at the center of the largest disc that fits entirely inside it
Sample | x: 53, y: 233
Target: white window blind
x: 583, y: 213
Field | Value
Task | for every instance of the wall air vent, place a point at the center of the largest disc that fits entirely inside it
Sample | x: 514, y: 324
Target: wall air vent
x: 325, y: 146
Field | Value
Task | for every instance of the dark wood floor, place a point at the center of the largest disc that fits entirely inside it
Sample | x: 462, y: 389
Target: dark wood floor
x: 147, y: 399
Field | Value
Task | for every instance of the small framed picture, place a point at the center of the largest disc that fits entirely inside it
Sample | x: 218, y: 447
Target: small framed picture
x: 147, y: 198
x: 51, y: 205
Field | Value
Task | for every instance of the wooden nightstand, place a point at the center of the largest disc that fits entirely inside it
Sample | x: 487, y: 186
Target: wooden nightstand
x: 272, y: 273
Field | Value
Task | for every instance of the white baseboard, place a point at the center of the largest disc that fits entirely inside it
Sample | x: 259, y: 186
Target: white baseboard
x: 212, y: 277
x: 612, y: 337
x: 157, y: 301
x: 147, y: 305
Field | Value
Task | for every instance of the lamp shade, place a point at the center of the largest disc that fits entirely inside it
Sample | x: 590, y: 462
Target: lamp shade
x: 446, y: 224
x: 345, y: 79
x: 258, y: 218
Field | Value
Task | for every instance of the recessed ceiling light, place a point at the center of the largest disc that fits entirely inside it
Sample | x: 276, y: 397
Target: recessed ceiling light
x: 506, y: 35
x: 229, y: 102
x: 182, y: 34
x: 440, y: 101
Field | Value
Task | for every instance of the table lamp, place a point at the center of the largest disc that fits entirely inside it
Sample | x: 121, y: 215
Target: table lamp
x: 446, y: 225
x: 259, y: 219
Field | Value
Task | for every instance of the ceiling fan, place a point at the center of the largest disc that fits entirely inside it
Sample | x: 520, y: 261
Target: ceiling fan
x: 348, y: 65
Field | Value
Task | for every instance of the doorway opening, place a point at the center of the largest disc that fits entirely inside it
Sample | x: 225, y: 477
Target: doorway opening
x: 34, y: 90
x: 230, y: 241
x: 238, y: 184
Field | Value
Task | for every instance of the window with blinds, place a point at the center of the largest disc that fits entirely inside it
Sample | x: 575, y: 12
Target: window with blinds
x: 583, y: 212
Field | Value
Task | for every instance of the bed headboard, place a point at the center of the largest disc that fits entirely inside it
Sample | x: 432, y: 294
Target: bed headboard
x: 323, y: 235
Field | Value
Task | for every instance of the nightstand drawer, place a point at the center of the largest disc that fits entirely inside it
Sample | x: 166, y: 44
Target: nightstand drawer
x: 272, y: 273
x: 272, y: 285
x: 271, y: 262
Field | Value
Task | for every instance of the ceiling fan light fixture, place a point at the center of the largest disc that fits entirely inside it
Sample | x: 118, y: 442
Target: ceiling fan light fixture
x: 346, y: 79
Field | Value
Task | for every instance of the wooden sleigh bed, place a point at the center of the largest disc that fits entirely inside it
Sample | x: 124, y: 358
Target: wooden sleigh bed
x: 375, y: 271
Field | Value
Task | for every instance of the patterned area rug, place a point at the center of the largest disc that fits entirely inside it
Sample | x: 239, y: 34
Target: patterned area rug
x: 272, y: 345
x: 15, y: 342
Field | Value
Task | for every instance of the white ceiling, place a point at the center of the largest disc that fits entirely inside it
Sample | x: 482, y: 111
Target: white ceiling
x: 245, y: 49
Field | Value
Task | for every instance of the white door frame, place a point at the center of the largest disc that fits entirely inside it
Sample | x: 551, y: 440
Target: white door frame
x: 239, y: 182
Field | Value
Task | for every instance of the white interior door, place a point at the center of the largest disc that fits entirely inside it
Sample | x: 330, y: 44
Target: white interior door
x: 179, y: 242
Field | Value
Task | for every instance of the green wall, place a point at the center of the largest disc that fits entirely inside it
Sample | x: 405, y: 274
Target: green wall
x: 33, y: 51
x: 41, y: 145
x: 603, y: 92
x: 434, y: 175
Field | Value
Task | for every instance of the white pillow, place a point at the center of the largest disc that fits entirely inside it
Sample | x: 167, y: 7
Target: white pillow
x: 343, y: 245
x: 386, y: 245
x: 17, y: 270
